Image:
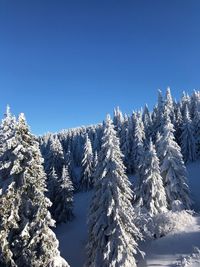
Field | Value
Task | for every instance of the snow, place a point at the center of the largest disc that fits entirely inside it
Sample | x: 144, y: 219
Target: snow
x: 168, y: 250
x: 176, y: 249
x: 73, y: 235
x: 192, y: 260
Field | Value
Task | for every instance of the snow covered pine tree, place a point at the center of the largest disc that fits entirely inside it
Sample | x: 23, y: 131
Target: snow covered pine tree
x: 172, y: 166
x: 151, y: 192
x: 87, y: 164
x: 63, y: 202
x: 29, y: 240
x: 188, y: 144
x: 113, y: 235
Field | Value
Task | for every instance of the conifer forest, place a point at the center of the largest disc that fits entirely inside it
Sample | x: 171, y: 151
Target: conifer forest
x: 134, y: 176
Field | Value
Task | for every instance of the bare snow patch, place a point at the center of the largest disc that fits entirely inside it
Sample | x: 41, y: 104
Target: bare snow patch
x: 172, y: 222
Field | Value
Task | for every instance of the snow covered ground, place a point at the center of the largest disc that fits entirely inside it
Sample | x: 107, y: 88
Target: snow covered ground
x: 166, y: 251
x: 73, y: 235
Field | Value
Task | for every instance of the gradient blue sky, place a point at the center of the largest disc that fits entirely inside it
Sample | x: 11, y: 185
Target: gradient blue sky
x: 66, y: 63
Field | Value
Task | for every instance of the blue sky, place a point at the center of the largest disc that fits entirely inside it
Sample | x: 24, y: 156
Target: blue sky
x: 66, y: 63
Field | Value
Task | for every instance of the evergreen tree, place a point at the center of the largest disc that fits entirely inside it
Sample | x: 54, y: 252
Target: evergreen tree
x: 52, y: 185
x: 124, y: 141
x: 118, y: 120
x: 169, y: 105
x: 157, y: 145
x: 8, y: 199
x: 87, y: 180
x: 157, y: 114
x: 68, y: 159
x: 147, y: 121
x: 130, y: 143
x: 63, y: 202
x: 9, y: 218
x: 7, y: 131
x: 185, y: 100
x: 138, y: 148
x: 29, y: 239
x: 195, y: 115
x: 178, y: 125
x: 194, y: 104
x: 151, y: 192
x: 188, y: 145
x: 196, y: 124
x: 172, y: 166
x: 112, y: 233
x: 55, y: 157
x: 95, y: 161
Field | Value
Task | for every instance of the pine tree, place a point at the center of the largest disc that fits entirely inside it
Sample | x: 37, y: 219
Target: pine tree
x: 7, y: 131
x: 118, y: 120
x: 68, y: 161
x: 30, y: 240
x: 196, y: 124
x: 52, y: 185
x: 172, y: 167
x: 157, y: 115
x: 63, y: 202
x: 151, y: 192
x: 9, y: 205
x: 159, y: 151
x: 130, y: 143
x: 185, y: 100
x: 55, y: 157
x: 188, y: 145
x: 147, y: 121
x: 86, y: 182
x: 9, y: 202
x: 178, y: 125
x: 169, y: 105
x: 194, y: 104
x: 138, y: 147
x: 112, y: 233
x: 95, y: 161
x: 124, y: 141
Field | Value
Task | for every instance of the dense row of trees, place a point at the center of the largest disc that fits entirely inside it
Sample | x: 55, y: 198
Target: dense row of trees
x: 152, y: 145
x: 79, y: 148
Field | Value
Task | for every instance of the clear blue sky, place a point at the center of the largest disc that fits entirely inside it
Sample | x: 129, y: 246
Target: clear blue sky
x: 66, y: 63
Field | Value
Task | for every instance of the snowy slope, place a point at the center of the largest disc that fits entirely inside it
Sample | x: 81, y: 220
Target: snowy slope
x: 72, y: 235
x: 165, y: 251
x: 168, y: 250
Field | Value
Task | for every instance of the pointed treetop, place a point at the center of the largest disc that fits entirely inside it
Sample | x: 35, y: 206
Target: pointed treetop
x: 169, y: 99
x: 168, y: 90
x: 186, y: 113
x: 125, y: 117
x: 8, y: 113
x: 8, y: 117
x: 117, y: 110
x: 22, y: 118
x: 108, y: 119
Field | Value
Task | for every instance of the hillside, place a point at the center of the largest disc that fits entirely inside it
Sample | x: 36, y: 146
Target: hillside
x: 166, y: 251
